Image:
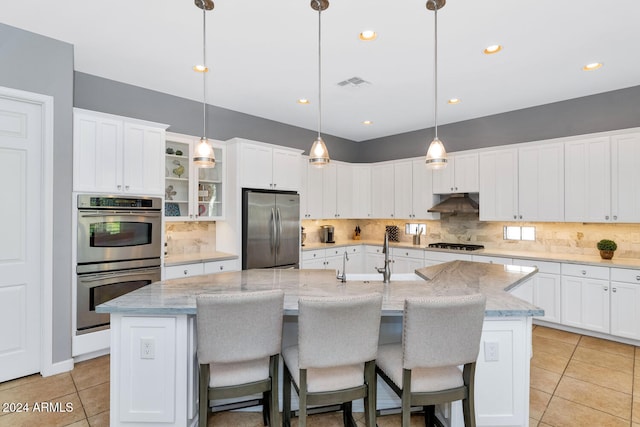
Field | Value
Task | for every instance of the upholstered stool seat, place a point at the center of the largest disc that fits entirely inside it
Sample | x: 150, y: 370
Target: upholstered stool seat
x: 334, y: 361
x: 439, y: 334
x: 239, y: 343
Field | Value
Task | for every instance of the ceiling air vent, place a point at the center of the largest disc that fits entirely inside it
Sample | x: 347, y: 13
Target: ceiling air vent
x: 353, y: 82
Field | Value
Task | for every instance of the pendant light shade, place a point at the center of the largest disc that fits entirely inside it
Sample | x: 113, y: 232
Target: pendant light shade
x: 436, y: 154
x: 319, y: 155
x: 203, y: 157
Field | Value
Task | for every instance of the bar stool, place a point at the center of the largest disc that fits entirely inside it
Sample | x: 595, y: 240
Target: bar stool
x: 334, y: 361
x: 439, y: 334
x: 239, y: 342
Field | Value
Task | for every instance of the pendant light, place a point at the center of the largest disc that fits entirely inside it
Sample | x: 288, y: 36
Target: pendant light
x: 204, y: 156
x: 436, y: 154
x: 319, y: 155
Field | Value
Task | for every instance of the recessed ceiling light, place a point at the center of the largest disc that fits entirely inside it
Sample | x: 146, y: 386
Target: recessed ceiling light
x: 494, y: 48
x: 303, y: 101
x: 367, y: 122
x: 592, y: 66
x: 368, y: 35
x: 454, y: 101
x: 200, y: 68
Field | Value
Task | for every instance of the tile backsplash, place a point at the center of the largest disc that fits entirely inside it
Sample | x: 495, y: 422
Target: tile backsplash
x: 571, y: 238
x: 190, y: 237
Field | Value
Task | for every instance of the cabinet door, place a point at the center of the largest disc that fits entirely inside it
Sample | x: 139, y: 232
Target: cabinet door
x: 97, y: 153
x: 344, y: 190
x: 625, y: 173
x: 328, y: 195
x: 334, y: 263
x: 361, y: 191
x: 187, y: 270
x: 143, y: 159
x: 546, y: 295
x: 465, y: 173
x: 286, y: 170
x: 625, y: 316
x: 256, y: 166
x: 541, y: 183
x: 585, y: 303
x: 499, y: 185
x: 403, y: 190
x: 524, y: 291
x: 423, y: 197
x: 304, y: 190
x: 587, y: 180
x: 382, y: 191
x: 315, y: 264
x: 443, y: 179
x: 314, y: 192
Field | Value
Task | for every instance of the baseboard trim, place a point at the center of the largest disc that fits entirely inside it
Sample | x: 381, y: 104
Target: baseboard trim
x: 57, y: 368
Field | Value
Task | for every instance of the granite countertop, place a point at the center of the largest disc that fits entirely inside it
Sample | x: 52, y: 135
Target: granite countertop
x: 538, y: 256
x: 182, y: 259
x: 177, y: 296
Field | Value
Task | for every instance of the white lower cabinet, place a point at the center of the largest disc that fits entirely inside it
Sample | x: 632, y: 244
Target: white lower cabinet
x: 543, y: 288
x: 200, y: 268
x: 585, y: 297
x: 407, y: 260
x: 435, y: 257
x: 492, y: 259
x: 333, y: 259
x: 374, y: 258
x: 625, y: 301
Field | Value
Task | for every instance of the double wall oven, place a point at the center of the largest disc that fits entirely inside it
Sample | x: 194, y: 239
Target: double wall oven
x: 118, y: 250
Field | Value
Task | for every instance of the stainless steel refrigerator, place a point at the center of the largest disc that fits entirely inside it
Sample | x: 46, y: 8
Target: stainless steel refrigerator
x: 270, y: 229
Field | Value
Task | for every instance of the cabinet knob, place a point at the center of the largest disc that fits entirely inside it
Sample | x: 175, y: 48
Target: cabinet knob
x: 126, y: 187
x: 119, y: 187
x: 638, y: 278
x: 186, y: 272
x: 391, y: 215
x: 515, y: 217
x: 614, y: 290
x: 520, y: 216
x: 583, y: 272
x: 615, y: 217
x: 606, y: 289
x: 606, y: 217
x: 222, y: 267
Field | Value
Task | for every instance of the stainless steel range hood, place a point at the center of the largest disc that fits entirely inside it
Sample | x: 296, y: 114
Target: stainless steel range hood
x: 456, y: 203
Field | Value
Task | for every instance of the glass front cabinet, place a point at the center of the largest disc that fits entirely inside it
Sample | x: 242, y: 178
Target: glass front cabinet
x: 192, y: 193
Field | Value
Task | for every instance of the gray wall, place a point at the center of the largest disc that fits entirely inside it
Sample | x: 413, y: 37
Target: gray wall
x: 185, y: 116
x: 34, y: 63
x: 618, y: 109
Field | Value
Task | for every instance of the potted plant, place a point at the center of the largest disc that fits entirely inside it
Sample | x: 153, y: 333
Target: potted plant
x: 606, y: 248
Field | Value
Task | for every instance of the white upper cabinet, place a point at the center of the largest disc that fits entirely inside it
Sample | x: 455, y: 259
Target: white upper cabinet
x: 311, y: 191
x: 113, y: 154
x: 344, y: 190
x: 541, y: 183
x: 413, y: 193
x: 460, y: 175
x: 382, y: 187
x: 361, y: 191
x: 328, y: 195
x: 499, y: 185
x: 268, y: 167
x: 587, y: 175
x: 523, y: 184
x: 625, y: 177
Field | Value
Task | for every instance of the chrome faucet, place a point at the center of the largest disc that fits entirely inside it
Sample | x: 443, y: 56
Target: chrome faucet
x: 343, y: 276
x: 386, y: 271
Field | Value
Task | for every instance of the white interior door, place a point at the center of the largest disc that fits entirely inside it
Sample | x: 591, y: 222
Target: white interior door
x: 21, y: 134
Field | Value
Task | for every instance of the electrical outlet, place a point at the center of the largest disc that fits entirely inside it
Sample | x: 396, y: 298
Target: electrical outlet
x: 147, y: 348
x: 491, y: 352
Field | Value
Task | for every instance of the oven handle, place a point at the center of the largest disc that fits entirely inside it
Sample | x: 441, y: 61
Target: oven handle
x: 114, y: 213
x: 101, y: 276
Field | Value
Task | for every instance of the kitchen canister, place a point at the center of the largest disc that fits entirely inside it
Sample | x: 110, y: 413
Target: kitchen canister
x: 392, y: 231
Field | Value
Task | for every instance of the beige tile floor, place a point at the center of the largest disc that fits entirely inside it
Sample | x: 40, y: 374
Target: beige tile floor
x: 575, y: 381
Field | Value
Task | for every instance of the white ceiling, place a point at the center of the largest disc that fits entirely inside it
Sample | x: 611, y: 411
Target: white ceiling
x: 263, y: 54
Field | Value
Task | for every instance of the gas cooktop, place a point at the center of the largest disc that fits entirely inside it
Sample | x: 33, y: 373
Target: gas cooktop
x: 456, y: 246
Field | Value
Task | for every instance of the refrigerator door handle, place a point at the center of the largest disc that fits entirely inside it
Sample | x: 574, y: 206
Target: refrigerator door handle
x: 279, y: 233
x: 272, y: 239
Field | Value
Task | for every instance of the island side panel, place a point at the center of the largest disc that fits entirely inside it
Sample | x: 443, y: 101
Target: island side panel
x: 151, y: 386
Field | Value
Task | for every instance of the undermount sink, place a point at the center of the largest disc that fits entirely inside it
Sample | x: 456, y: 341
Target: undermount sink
x: 377, y: 277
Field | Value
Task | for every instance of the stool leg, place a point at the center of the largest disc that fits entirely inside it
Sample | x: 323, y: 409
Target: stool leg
x: 274, y: 406
x: 286, y: 397
x: 406, y: 398
x: 429, y: 416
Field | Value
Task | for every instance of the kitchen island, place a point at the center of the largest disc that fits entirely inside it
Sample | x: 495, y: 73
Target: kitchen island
x: 154, y: 370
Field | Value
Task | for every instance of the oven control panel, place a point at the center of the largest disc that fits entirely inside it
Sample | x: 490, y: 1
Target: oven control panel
x: 86, y: 201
